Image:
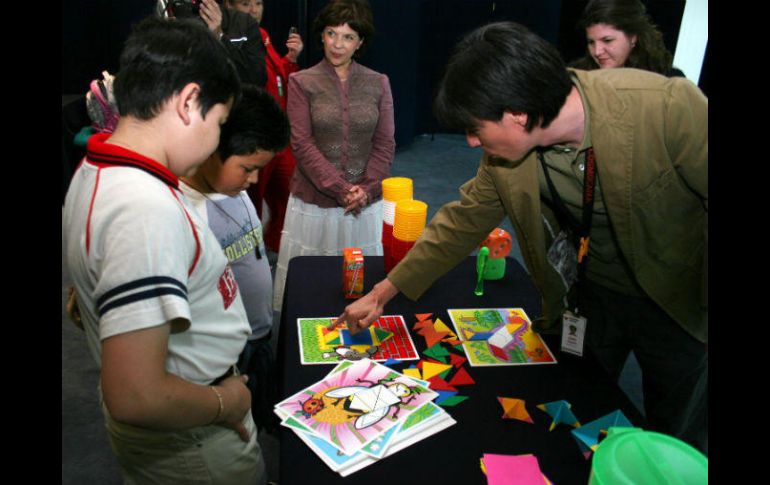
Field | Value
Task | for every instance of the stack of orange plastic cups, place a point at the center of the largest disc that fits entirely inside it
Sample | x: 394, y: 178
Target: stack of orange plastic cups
x: 394, y: 189
x: 407, y: 228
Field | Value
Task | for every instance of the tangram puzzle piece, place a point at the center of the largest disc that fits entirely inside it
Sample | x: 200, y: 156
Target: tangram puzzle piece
x: 461, y: 378
x: 453, y: 401
x: 512, y: 469
x: 422, y: 324
x: 560, y: 412
x: 437, y: 352
x: 457, y: 360
x: 423, y: 361
x: 412, y: 372
x: 469, y: 335
x: 423, y: 316
x: 587, y: 435
x: 440, y: 326
x: 361, y: 338
x: 437, y: 383
x: 431, y: 336
x: 514, y: 409
x: 444, y: 395
x: 430, y: 369
x: 391, y: 362
x: 500, y: 353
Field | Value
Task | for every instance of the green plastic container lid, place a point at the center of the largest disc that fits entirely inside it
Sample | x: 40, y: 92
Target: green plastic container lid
x: 638, y: 457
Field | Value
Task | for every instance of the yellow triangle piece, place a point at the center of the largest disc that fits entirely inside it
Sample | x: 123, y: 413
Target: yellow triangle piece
x: 412, y: 373
x: 441, y: 326
x: 429, y: 369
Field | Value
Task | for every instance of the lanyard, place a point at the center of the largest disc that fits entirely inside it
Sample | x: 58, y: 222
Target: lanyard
x: 583, y: 229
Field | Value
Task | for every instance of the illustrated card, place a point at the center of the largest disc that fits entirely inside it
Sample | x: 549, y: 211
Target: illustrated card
x: 499, y: 336
x: 355, y: 405
x: 323, y: 341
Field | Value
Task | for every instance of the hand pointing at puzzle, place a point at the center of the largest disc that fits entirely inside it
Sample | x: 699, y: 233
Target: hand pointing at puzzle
x: 360, y: 314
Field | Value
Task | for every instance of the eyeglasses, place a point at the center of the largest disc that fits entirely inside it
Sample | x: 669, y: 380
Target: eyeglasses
x: 346, y: 38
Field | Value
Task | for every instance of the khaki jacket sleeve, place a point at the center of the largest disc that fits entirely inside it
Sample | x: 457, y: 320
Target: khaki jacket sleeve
x: 688, y: 144
x: 453, y: 233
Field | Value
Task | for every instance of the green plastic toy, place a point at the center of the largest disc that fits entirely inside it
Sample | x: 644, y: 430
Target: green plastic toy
x: 481, y: 265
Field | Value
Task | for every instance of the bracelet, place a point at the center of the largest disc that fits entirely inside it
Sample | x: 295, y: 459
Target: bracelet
x: 221, y: 405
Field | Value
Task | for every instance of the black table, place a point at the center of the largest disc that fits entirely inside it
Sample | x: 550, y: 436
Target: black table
x: 314, y: 289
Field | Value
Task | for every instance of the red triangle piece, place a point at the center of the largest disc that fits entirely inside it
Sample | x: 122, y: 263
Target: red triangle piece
x: 439, y: 384
x: 422, y: 316
x: 433, y: 339
x: 422, y: 324
x: 456, y: 360
x: 499, y: 353
x: 461, y: 378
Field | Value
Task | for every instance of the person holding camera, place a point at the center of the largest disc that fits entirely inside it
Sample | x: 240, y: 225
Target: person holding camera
x: 273, y: 184
x: 237, y: 31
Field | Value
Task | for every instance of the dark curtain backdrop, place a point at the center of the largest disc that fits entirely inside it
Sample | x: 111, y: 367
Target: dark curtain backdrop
x: 413, y: 42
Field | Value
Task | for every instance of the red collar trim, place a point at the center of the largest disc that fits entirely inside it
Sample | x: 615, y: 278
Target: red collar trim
x: 104, y: 154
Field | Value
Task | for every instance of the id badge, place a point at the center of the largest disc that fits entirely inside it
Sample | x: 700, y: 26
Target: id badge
x: 573, y: 333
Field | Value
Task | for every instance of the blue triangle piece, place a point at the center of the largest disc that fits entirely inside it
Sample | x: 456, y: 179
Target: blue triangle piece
x: 392, y: 362
x: 443, y: 395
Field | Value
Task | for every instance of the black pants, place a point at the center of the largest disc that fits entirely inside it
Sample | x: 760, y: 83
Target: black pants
x: 674, y: 364
x: 257, y: 362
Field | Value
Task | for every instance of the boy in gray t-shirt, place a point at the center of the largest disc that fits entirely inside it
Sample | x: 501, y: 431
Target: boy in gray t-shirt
x: 256, y: 129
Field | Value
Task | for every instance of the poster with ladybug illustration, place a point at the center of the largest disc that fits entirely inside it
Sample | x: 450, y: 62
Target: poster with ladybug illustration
x: 355, y: 404
x: 425, y: 422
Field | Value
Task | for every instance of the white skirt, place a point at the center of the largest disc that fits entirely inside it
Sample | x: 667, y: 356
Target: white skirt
x: 309, y: 230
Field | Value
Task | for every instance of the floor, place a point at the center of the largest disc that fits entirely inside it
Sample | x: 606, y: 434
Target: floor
x: 438, y: 165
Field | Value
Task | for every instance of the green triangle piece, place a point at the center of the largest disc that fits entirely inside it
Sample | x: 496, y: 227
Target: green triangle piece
x: 445, y: 373
x: 452, y: 401
x: 437, y: 352
x: 381, y: 334
x: 336, y: 341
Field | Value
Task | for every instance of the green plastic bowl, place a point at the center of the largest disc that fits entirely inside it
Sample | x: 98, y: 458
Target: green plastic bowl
x: 638, y: 457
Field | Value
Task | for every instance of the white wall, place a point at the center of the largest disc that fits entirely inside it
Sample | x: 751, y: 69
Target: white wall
x: 693, y: 38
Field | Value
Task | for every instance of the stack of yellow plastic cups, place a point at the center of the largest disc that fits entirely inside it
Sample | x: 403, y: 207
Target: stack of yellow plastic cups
x: 394, y: 189
x: 407, y: 228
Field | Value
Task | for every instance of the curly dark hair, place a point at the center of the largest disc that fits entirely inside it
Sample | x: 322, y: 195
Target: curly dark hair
x: 356, y: 13
x: 629, y: 16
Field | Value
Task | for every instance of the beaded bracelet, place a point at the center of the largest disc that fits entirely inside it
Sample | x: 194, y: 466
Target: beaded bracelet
x: 221, y: 405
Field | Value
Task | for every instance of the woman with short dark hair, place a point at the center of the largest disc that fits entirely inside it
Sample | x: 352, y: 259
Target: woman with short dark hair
x: 342, y: 135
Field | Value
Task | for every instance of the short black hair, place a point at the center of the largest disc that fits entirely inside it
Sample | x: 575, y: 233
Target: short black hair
x: 257, y: 122
x: 356, y: 13
x: 161, y: 57
x: 501, y: 67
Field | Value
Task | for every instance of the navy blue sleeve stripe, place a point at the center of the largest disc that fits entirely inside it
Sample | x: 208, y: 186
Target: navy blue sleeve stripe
x: 144, y: 295
x: 150, y: 281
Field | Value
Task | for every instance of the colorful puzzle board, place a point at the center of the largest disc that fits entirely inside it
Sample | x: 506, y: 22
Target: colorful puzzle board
x: 475, y: 326
x: 322, y: 343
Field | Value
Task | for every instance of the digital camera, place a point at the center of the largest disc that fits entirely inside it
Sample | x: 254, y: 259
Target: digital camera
x: 184, y: 8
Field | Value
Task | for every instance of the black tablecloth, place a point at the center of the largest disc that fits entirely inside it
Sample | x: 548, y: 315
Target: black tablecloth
x: 314, y: 289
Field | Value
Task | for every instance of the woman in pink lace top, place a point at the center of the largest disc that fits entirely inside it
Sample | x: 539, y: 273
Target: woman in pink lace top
x: 342, y: 130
